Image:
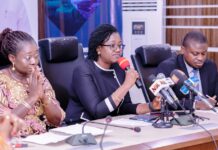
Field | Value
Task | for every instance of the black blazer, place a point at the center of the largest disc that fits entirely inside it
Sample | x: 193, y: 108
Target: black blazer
x: 208, y: 74
x: 91, y: 86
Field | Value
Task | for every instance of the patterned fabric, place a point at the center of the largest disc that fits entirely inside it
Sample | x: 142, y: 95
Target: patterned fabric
x: 13, y: 93
x: 195, y: 75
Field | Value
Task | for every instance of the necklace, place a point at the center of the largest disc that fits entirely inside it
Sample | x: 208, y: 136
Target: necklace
x: 23, y: 81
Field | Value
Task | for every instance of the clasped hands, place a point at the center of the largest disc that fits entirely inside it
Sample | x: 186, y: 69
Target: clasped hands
x: 37, y: 85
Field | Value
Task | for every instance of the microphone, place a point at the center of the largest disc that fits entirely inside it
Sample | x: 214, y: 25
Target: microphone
x: 169, y: 89
x: 124, y: 64
x: 158, y: 87
x: 135, y: 129
x: 180, y: 78
x: 83, y: 138
x: 88, y: 138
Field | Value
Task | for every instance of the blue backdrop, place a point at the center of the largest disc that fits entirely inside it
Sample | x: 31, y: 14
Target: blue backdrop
x: 81, y: 17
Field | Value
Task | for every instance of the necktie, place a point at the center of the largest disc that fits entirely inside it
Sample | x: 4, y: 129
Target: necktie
x: 196, y: 77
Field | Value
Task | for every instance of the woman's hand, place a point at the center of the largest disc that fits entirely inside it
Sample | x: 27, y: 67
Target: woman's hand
x: 10, y: 125
x: 156, y: 103
x: 131, y: 77
x: 36, y: 84
x: 144, y: 108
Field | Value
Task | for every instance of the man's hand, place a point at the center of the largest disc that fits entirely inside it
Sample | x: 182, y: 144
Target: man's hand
x: 200, y: 105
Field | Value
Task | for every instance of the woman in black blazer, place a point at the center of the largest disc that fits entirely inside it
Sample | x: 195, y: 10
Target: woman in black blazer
x: 100, y: 87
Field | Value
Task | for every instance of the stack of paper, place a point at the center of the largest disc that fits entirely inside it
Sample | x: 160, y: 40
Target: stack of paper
x: 62, y: 133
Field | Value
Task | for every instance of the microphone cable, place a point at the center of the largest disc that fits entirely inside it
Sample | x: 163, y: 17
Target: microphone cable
x: 211, y: 135
x: 196, y: 123
x: 108, y: 120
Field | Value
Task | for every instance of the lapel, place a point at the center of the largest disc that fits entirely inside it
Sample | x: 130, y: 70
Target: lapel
x: 181, y: 64
x: 203, y: 76
x: 203, y: 73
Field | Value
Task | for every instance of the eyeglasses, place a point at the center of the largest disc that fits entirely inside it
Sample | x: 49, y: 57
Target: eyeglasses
x: 114, y: 47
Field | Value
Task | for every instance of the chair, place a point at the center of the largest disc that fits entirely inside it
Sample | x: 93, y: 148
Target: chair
x: 145, y: 61
x: 58, y: 58
x: 3, y: 62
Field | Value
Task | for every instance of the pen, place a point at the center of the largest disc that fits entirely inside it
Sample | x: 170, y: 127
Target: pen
x: 216, y: 103
x: 210, y: 97
x: 20, y: 145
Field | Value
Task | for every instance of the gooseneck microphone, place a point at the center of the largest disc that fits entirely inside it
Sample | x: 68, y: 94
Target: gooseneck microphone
x: 108, y: 119
x: 135, y: 129
x: 88, y: 138
x: 180, y: 78
x: 124, y: 64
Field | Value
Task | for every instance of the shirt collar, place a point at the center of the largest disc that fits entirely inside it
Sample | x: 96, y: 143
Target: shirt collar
x: 188, y: 67
x: 96, y: 64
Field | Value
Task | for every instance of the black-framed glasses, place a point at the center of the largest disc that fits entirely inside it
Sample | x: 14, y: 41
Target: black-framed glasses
x: 114, y: 47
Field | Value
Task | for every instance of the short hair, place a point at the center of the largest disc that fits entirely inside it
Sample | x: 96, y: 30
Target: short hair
x: 98, y: 37
x: 11, y: 42
x: 193, y: 36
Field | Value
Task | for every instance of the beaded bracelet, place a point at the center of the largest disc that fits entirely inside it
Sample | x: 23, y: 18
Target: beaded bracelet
x: 47, y: 102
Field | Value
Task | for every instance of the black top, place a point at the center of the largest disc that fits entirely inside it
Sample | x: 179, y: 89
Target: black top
x: 92, y: 87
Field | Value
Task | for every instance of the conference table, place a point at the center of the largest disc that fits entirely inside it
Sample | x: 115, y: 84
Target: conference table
x: 189, y: 137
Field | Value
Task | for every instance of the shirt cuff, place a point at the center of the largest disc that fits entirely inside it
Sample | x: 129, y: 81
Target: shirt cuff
x: 110, y: 104
x: 194, y: 104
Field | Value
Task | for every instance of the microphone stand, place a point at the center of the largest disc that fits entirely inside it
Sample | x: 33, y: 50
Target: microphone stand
x: 163, y: 121
x: 188, y: 118
x: 83, y: 138
x: 192, y: 99
x: 195, y: 117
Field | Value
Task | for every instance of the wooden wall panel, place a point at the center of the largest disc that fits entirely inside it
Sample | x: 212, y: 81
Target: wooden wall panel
x: 213, y: 56
x: 192, y: 21
x: 191, y: 2
x: 41, y: 19
x: 204, y: 19
x: 191, y: 11
x: 175, y: 36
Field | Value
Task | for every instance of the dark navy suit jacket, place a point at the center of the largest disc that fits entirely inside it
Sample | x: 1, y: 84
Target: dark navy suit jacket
x: 92, y: 88
x: 208, y: 74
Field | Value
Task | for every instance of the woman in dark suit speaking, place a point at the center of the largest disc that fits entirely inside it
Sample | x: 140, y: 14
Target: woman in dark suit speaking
x: 100, y: 87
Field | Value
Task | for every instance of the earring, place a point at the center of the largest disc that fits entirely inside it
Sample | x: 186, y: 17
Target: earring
x: 13, y: 68
x: 99, y: 53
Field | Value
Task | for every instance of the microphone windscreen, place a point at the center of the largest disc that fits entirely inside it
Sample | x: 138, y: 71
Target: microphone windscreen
x: 151, y: 79
x: 137, y: 129
x: 160, y: 76
x: 108, y: 119
x: 178, y: 77
x: 123, y: 63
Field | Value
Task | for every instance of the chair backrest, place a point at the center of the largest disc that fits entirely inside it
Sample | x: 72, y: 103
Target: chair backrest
x: 146, y: 60
x: 3, y: 62
x: 58, y: 58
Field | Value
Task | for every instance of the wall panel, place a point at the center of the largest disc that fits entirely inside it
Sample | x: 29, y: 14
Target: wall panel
x: 183, y: 16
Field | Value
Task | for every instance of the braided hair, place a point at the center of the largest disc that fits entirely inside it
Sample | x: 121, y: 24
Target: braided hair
x: 11, y: 43
x: 100, y: 35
